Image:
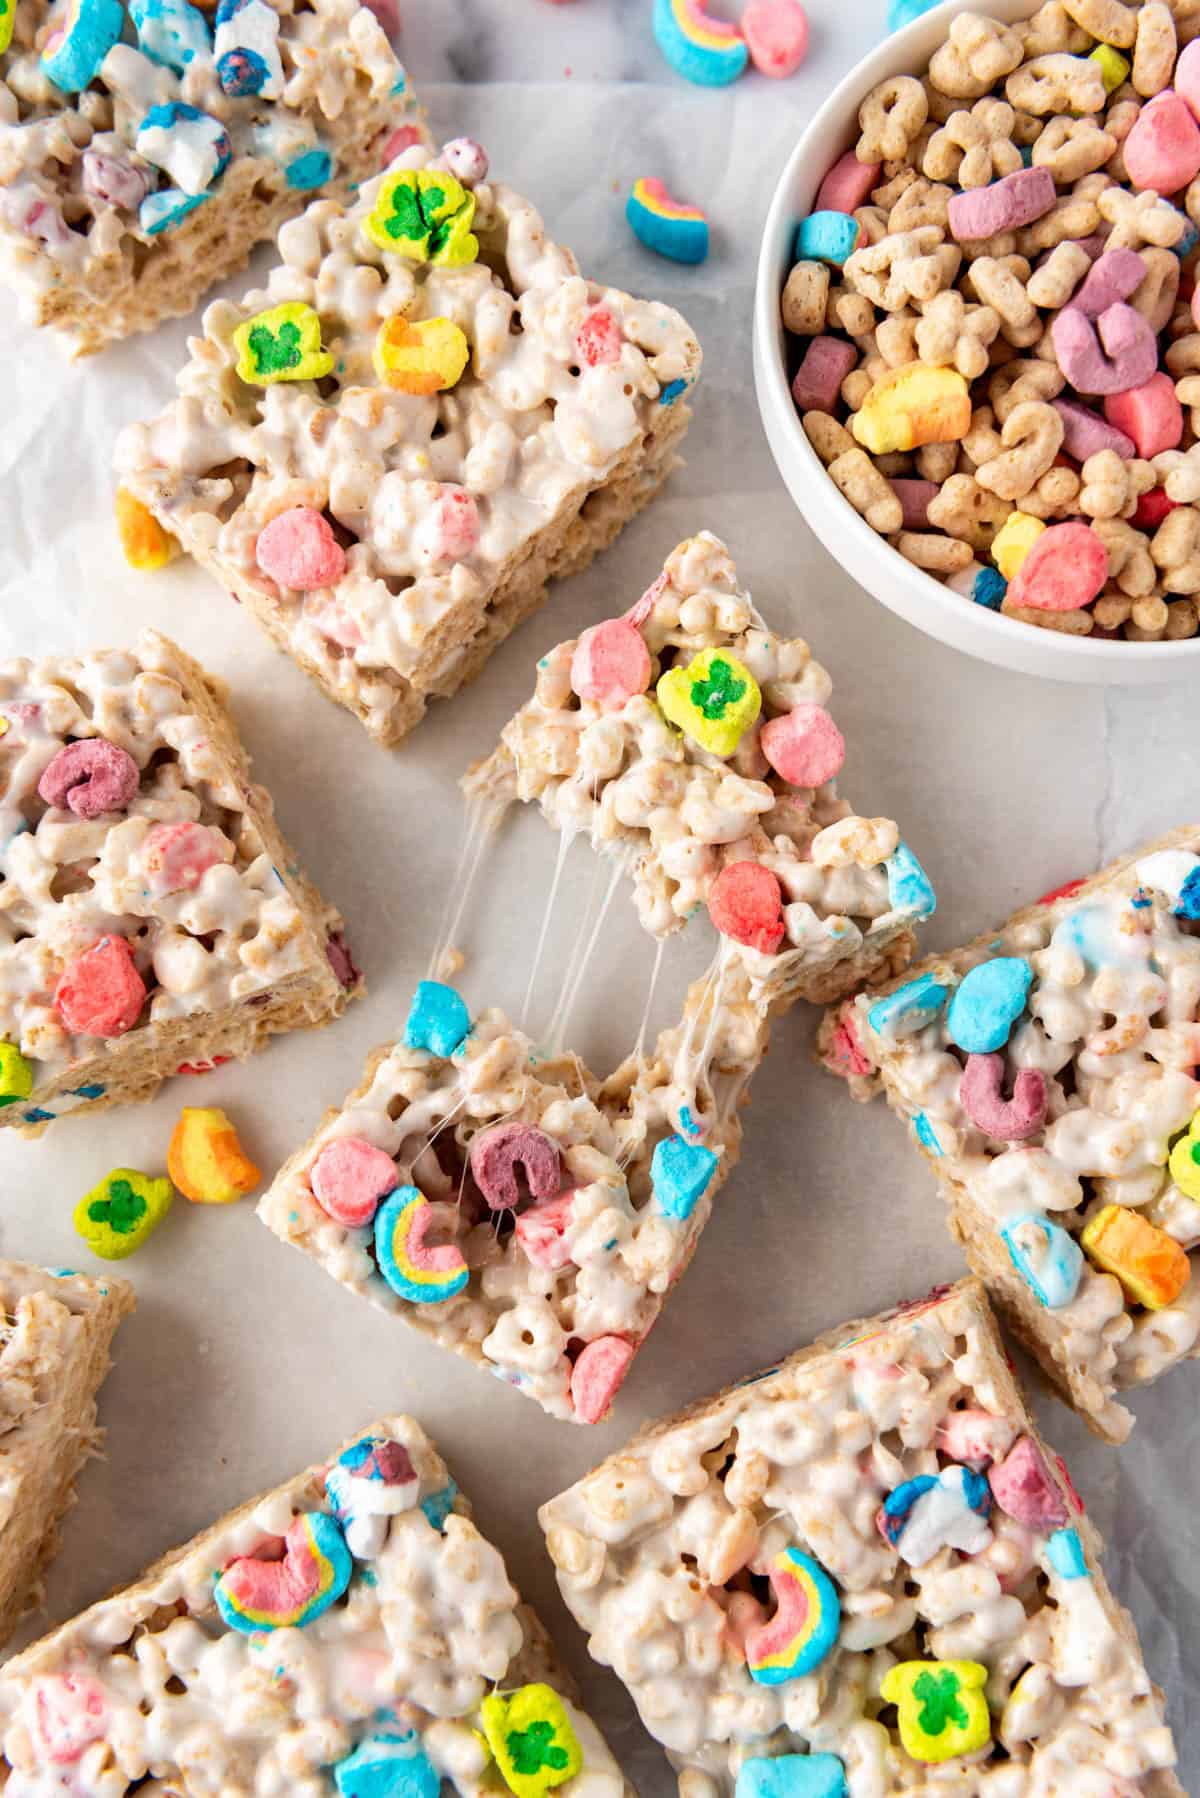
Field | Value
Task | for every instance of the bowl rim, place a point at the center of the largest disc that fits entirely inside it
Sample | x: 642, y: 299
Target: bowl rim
x: 998, y: 636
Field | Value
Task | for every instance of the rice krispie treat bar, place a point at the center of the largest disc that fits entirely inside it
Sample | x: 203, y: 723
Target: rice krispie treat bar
x: 1046, y: 1071
x: 998, y: 333
x: 863, y: 1574
x: 145, y: 148
x: 55, y: 1344
x: 510, y: 1204
x: 688, y: 740
x: 349, y: 1633
x: 151, y: 915
x: 426, y: 414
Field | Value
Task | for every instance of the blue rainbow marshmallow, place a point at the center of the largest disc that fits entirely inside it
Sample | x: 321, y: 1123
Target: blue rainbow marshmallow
x: 1046, y: 1256
x: 710, y: 52
x: 803, y: 1630
x: 909, y: 887
x: 74, y: 52
x: 827, y: 237
x: 1064, y: 1551
x: 679, y: 1174
x: 418, y: 1270
x: 792, y: 1776
x: 316, y: 1568
x: 388, y: 1764
x: 665, y: 225
x: 987, y: 1003
x: 438, y: 1019
x: 908, y: 1009
x: 170, y: 32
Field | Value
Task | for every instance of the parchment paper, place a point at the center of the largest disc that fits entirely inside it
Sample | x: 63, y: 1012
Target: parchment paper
x: 244, y: 1361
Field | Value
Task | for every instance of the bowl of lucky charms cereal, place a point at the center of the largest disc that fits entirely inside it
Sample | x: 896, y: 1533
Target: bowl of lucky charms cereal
x: 977, y: 354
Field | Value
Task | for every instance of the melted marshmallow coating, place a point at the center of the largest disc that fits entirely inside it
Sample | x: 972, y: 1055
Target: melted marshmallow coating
x: 653, y: 1548
x: 425, y: 1632
x: 1110, y: 1022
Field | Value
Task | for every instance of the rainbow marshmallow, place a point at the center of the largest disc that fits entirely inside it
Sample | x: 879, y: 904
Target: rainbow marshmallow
x: 707, y: 51
x: 413, y: 1269
x: 805, y: 1625
x: 314, y: 1572
x: 666, y: 225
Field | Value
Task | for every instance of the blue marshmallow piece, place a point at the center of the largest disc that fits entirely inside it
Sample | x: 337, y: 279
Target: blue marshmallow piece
x: 312, y: 168
x: 391, y: 1764
x: 1065, y: 1553
x: 827, y: 237
x: 1188, y: 903
x: 909, y: 887
x: 679, y: 1174
x: 73, y: 56
x: 438, y: 1019
x: 166, y: 207
x: 989, y: 589
x: 438, y: 1506
x: 792, y: 1776
x: 902, y: 12
x: 900, y: 1501
x: 926, y: 1135
x: 1052, y: 1265
x: 170, y: 32
x: 708, y: 65
x: 908, y: 1009
x: 987, y: 1003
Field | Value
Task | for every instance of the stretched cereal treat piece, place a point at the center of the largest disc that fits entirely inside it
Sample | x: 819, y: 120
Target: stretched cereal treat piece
x: 510, y: 1204
x: 151, y: 915
x: 994, y: 1658
x: 342, y: 1578
x: 138, y: 174
x: 442, y: 409
x: 707, y: 747
x: 1046, y: 1071
x: 54, y: 1356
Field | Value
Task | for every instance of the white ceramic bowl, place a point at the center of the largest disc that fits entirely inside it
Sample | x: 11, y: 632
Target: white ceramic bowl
x: 884, y: 573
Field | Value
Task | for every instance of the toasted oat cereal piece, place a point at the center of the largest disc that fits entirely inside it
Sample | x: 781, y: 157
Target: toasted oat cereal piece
x: 151, y: 915
x: 1046, y: 1071
x: 54, y: 1355
x: 920, y: 1544
x: 350, y: 1631
x: 679, y: 810
x: 428, y: 377
x: 134, y: 177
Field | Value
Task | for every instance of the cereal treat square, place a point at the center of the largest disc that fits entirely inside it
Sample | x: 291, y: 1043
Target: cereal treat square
x: 54, y: 1354
x: 862, y: 1574
x: 146, y: 148
x: 691, y: 743
x: 427, y: 413
x: 514, y: 1207
x: 1046, y: 1071
x: 152, y: 918
x: 344, y: 1634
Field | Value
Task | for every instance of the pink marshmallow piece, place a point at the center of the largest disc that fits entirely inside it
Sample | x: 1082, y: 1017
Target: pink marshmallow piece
x: 70, y: 1713
x: 1003, y: 206
x: 805, y: 746
x: 397, y: 142
x: 776, y: 34
x: 1117, y: 351
x: 299, y: 550
x: 1162, y: 151
x: 914, y: 497
x: 1085, y: 433
x: 818, y: 380
x: 1066, y: 569
x: 1187, y: 77
x: 349, y: 1178
x: 597, y: 1375
x: 844, y: 1055
x: 101, y: 993
x: 981, y: 1093
x: 745, y: 902
x: 113, y: 180
x: 848, y: 184
x: 598, y: 340
x: 90, y: 778
x: 1150, y: 414
x: 1111, y: 278
x: 497, y: 1153
x: 974, y: 1438
x: 1023, y: 1485
x: 456, y: 525
x: 611, y: 664
x: 176, y: 857
x: 541, y: 1231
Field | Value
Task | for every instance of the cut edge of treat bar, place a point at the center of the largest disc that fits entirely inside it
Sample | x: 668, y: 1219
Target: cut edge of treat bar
x: 968, y: 1298
x: 308, y: 999
x: 43, y: 1450
x: 141, y: 1601
x: 1037, y: 1328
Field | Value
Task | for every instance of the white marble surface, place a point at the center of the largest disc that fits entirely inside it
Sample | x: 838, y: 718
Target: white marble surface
x: 243, y: 1361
